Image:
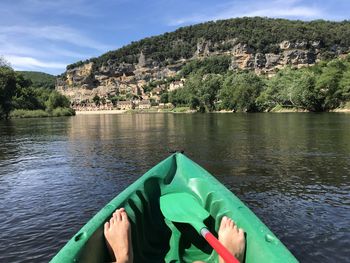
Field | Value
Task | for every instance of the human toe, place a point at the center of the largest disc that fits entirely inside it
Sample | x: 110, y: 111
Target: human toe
x: 223, y: 222
x: 124, y: 216
x: 230, y: 223
x: 117, y: 215
x: 106, y: 226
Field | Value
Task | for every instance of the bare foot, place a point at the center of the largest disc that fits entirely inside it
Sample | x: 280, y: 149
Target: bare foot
x: 232, y: 238
x: 118, y: 235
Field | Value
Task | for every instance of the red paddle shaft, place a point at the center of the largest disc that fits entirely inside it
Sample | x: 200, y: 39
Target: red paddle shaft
x: 218, y: 247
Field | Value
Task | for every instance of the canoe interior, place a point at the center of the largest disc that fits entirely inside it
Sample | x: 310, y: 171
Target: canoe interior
x: 157, y: 240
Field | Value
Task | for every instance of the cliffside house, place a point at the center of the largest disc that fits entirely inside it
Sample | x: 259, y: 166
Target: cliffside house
x: 176, y: 85
x: 125, y: 105
x: 108, y: 105
x: 144, y: 104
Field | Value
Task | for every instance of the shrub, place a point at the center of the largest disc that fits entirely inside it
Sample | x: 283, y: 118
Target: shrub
x: 63, y: 112
x: 20, y: 113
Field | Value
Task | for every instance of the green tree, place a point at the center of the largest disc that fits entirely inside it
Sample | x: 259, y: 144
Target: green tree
x: 7, y: 90
x: 4, y: 63
x: 291, y: 88
x: 303, y: 92
x: 180, y: 97
x: 164, y: 98
x: 240, y: 91
x: 56, y: 100
x: 344, y: 85
x: 280, y: 89
x: 207, y: 92
x: 96, y: 99
x: 188, y: 95
x: 215, y: 65
x: 26, y: 98
x: 327, y: 85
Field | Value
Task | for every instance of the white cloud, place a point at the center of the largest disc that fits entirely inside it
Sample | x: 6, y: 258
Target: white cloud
x: 54, y: 33
x: 28, y: 63
x: 268, y: 8
x: 37, y: 47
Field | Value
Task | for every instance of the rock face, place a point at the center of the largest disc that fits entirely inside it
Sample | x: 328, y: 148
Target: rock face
x: 297, y: 54
x: 82, y: 83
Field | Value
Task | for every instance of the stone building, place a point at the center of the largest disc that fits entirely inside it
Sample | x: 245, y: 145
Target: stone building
x: 125, y: 105
x: 144, y: 104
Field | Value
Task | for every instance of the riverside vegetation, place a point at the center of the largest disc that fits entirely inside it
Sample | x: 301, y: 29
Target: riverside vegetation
x: 30, y: 94
x: 210, y: 86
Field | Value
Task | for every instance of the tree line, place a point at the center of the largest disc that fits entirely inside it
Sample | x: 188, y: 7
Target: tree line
x: 210, y: 85
x: 21, y: 97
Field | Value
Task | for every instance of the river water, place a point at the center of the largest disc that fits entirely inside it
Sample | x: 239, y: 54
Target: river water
x: 292, y: 170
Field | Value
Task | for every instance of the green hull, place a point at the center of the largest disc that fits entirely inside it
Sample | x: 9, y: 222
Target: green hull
x: 158, y: 240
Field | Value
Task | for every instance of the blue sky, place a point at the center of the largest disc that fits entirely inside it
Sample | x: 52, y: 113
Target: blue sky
x: 46, y: 35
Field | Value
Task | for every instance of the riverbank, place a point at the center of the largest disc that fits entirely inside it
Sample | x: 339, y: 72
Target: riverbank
x: 344, y: 108
x: 151, y: 110
x: 188, y: 110
x: 85, y: 112
x: 58, y: 112
x: 341, y: 110
x: 69, y: 112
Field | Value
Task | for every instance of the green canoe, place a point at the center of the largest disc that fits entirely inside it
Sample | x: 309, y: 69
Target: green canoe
x: 157, y: 240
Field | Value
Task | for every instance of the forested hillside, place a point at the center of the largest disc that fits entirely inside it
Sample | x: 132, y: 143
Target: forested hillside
x: 39, y: 79
x: 260, y: 34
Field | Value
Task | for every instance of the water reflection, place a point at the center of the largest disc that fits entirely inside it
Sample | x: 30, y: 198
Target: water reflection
x: 291, y: 169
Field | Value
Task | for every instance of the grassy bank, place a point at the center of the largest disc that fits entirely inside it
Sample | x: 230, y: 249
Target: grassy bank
x: 345, y: 107
x: 280, y: 108
x: 58, y: 112
x: 156, y: 110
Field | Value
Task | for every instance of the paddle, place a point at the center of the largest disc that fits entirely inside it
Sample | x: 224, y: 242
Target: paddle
x: 184, y: 208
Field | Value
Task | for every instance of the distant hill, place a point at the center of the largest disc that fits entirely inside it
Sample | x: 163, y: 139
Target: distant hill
x: 40, y: 79
x: 262, y: 35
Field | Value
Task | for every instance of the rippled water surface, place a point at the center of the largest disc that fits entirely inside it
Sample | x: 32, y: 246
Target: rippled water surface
x: 292, y: 170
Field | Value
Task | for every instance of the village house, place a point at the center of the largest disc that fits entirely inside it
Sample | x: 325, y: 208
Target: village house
x: 125, y: 105
x: 108, y: 105
x: 176, y: 85
x: 144, y: 105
